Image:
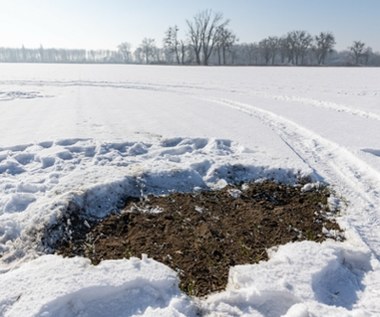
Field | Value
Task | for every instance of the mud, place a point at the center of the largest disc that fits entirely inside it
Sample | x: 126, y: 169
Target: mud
x: 201, y: 235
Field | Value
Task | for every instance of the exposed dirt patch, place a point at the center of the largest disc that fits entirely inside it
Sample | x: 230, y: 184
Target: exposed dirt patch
x: 200, y: 235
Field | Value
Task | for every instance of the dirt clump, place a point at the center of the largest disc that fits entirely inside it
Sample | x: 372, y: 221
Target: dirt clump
x: 202, y: 234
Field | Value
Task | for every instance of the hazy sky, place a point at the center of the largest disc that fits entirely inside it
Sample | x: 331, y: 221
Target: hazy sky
x: 96, y: 24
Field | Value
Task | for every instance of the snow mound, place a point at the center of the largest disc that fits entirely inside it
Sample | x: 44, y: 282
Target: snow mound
x: 300, y: 279
x: 43, y: 181
x: 53, y: 286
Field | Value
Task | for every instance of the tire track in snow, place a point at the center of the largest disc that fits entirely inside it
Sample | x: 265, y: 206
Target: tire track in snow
x: 135, y: 85
x: 349, y: 175
x: 322, y: 104
x: 329, y: 106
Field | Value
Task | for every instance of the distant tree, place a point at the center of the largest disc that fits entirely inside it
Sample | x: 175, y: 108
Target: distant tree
x: 148, y: 49
x: 305, y: 42
x: 254, y: 52
x: 375, y: 59
x: 224, y: 43
x: 172, y: 44
x: 204, y: 32
x: 175, y: 45
x: 195, y: 38
x: 357, y: 49
x: 158, y: 55
x: 268, y: 48
x: 265, y: 51
x: 324, y: 43
x: 273, y: 42
x: 124, y: 50
x: 209, y: 41
x: 245, y: 53
x: 283, y: 49
x: 367, y: 54
x: 24, y: 56
x: 41, y: 53
x: 138, y: 55
x: 184, y: 50
x: 298, y: 43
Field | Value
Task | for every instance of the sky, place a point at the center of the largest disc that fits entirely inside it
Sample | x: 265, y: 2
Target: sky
x: 104, y: 24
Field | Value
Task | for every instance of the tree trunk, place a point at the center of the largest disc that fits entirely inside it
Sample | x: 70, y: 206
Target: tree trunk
x: 198, y: 57
x: 177, y: 55
x: 182, y: 54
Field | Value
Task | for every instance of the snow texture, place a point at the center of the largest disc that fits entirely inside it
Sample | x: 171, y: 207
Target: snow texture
x: 89, y: 136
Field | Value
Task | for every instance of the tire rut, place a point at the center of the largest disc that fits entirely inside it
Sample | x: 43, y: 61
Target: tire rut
x: 349, y: 175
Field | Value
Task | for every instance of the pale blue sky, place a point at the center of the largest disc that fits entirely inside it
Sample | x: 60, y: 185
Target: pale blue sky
x: 96, y: 24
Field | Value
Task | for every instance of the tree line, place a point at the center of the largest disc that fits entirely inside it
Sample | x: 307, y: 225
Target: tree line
x: 210, y: 41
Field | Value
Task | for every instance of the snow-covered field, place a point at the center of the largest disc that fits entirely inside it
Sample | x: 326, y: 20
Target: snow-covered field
x: 90, y: 134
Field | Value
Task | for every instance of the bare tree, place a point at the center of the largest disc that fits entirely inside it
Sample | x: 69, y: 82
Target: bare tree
x: 171, y: 42
x: 268, y: 49
x: 174, y: 45
x: 247, y: 53
x: 148, y: 49
x: 368, y: 52
x: 253, y: 51
x: 224, y: 43
x: 291, y: 48
x: 298, y: 43
x: 184, y: 50
x: 124, y: 50
x: 195, y: 37
x: 357, y: 49
x: 273, y: 44
x: 325, y: 42
x: 204, y: 32
x: 283, y: 49
x: 265, y: 51
x: 139, y: 55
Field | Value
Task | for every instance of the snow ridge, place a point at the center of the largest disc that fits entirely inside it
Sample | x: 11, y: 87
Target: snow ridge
x: 41, y: 181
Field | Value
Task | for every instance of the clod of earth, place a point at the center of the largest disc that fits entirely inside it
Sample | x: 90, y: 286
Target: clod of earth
x: 202, y: 234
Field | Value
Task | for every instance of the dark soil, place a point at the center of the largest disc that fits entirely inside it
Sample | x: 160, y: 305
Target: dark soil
x: 200, y: 235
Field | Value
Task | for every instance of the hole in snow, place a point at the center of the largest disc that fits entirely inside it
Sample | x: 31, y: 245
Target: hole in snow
x: 199, y: 234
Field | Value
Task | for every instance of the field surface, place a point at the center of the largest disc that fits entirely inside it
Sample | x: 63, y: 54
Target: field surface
x: 90, y: 135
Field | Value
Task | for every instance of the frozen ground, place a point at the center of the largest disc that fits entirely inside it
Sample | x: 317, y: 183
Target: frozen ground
x: 89, y: 134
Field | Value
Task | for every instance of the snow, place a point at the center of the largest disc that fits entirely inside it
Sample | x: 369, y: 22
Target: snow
x: 88, y: 135
x: 53, y: 286
x: 334, y: 278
